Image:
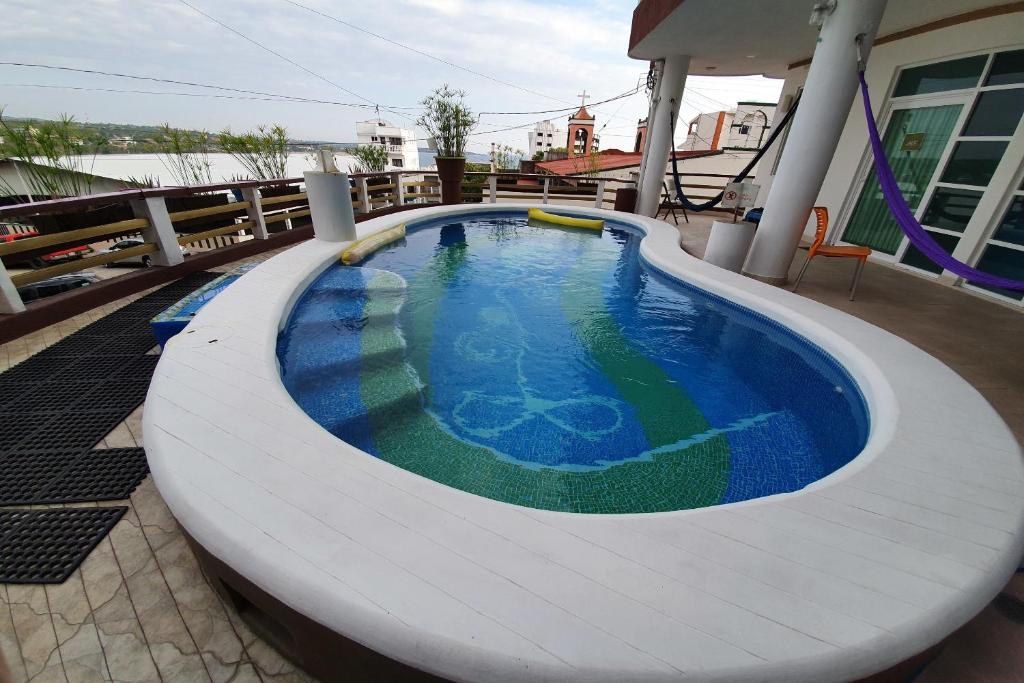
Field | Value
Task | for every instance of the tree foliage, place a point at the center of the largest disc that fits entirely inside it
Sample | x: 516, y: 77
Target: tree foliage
x: 51, y: 155
x: 370, y: 158
x: 185, y: 154
x: 263, y: 152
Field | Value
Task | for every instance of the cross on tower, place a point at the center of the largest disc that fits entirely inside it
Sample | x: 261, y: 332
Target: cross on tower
x: 583, y: 98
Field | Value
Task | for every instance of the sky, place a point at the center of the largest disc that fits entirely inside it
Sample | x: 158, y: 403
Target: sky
x: 515, y: 56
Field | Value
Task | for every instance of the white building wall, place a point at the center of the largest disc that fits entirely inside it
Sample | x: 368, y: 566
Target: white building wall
x: 748, y: 116
x: 403, y: 150
x: 701, y: 131
x: 545, y: 136
x: 852, y: 158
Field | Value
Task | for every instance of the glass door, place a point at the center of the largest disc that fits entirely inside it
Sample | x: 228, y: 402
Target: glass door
x: 915, y: 140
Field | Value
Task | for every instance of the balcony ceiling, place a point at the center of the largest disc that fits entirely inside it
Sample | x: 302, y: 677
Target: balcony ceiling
x: 749, y: 37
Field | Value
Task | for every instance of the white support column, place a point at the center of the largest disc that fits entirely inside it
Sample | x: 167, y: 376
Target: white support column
x: 828, y: 94
x: 10, y: 300
x: 399, y: 190
x: 657, y: 68
x: 492, y: 188
x: 659, y: 134
x: 547, y: 189
x: 160, y: 231
x: 255, y: 212
x: 330, y: 206
x: 599, y: 198
x: 364, y: 196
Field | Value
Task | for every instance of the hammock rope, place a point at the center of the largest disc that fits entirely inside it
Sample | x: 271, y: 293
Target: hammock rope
x: 714, y: 201
x: 917, y: 235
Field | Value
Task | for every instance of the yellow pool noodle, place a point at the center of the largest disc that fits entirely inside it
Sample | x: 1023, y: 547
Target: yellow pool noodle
x: 566, y: 221
x: 360, y: 249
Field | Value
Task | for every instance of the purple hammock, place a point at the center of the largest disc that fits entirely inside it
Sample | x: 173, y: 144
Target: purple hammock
x: 917, y: 235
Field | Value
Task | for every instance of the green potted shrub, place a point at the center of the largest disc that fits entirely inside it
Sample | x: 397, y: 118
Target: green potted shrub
x: 448, y: 121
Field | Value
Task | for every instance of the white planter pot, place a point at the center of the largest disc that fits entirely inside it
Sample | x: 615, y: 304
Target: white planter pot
x: 729, y: 243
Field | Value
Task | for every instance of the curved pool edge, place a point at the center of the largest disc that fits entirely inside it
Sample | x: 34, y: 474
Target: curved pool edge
x: 894, y: 376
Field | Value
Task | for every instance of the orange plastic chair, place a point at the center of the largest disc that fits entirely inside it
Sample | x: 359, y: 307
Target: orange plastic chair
x: 819, y: 248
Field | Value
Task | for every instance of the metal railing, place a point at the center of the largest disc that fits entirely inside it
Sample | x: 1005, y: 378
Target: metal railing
x: 210, y: 217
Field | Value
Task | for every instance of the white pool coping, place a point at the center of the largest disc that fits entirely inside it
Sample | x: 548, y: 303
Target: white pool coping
x: 852, y: 575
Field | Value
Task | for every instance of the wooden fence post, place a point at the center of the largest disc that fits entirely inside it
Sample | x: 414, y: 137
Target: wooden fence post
x: 399, y: 191
x: 10, y: 300
x: 160, y: 231
x: 364, y: 197
x: 255, y: 212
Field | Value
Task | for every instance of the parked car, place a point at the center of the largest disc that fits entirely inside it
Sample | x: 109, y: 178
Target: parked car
x: 69, y: 254
x: 144, y: 260
x: 56, y: 285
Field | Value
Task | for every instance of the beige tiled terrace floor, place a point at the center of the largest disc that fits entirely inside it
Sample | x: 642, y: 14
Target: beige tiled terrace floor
x: 139, y: 609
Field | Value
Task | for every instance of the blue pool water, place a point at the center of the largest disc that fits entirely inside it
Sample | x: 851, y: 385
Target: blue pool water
x: 551, y: 368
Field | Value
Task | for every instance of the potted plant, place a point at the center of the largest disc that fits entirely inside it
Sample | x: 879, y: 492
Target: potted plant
x: 448, y: 121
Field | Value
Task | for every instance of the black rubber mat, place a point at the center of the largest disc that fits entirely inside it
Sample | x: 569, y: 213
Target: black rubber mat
x: 46, y: 546
x: 71, y: 476
x: 55, y: 406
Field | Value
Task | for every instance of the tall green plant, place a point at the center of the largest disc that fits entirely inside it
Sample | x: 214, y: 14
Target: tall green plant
x: 52, y: 155
x: 448, y: 120
x: 186, y: 155
x: 263, y: 152
x: 370, y: 158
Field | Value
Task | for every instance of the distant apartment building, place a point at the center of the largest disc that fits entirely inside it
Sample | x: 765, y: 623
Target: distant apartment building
x: 742, y: 128
x: 546, y: 136
x: 400, y: 143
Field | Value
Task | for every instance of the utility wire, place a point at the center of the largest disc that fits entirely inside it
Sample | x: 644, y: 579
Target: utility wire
x: 422, y: 53
x: 192, y: 84
x: 286, y: 59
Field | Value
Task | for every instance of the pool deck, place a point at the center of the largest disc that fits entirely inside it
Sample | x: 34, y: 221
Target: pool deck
x: 138, y: 608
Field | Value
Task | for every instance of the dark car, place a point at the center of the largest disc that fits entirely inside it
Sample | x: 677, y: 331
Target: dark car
x: 56, y: 285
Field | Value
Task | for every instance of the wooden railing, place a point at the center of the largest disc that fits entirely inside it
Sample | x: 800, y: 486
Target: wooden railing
x: 209, y: 217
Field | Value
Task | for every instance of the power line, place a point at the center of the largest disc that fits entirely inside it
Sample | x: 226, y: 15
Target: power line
x: 286, y: 59
x: 422, y: 53
x: 628, y: 93
x: 193, y: 84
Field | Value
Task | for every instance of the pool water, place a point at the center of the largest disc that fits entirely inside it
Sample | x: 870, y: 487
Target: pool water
x: 551, y: 368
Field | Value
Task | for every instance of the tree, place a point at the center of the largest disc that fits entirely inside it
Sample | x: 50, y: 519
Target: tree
x: 370, y: 158
x: 185, y: 154
x: 506, y: 158
x: 51, y: 155
x: 263, y: 152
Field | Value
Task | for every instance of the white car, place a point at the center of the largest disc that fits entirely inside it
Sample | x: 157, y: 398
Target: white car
x: 144, y: 260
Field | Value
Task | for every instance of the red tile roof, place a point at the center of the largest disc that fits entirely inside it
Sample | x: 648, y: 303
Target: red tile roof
x: 607, y: 160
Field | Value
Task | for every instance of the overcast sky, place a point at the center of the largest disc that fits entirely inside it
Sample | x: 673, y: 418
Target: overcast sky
x: 548, y: 50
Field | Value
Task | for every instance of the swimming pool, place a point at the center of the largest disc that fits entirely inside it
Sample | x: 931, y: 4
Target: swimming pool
x: 551, y: 368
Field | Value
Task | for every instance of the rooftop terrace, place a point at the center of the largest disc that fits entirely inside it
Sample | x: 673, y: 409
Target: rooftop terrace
x: 139, y: 607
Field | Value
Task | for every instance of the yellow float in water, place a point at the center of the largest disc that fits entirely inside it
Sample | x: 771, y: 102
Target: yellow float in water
x: 566, y: 221
x: 360, y: 249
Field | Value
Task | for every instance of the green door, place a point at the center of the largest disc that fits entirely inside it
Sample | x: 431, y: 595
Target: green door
x: 915, y: 141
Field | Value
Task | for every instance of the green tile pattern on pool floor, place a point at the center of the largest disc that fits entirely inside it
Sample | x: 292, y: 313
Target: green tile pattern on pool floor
x: 406, y: 434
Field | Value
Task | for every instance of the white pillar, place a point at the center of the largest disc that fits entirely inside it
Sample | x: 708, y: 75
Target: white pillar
x: 255, y: 212
x: 330, y: 206
x: 492, y: 187
x: 547, y: 189
x: 828, y: 95
x: 599, y: 197
x: 10, y: 300
x: 160, y: 231
x: 659, y: 134
x: 364, y: 194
